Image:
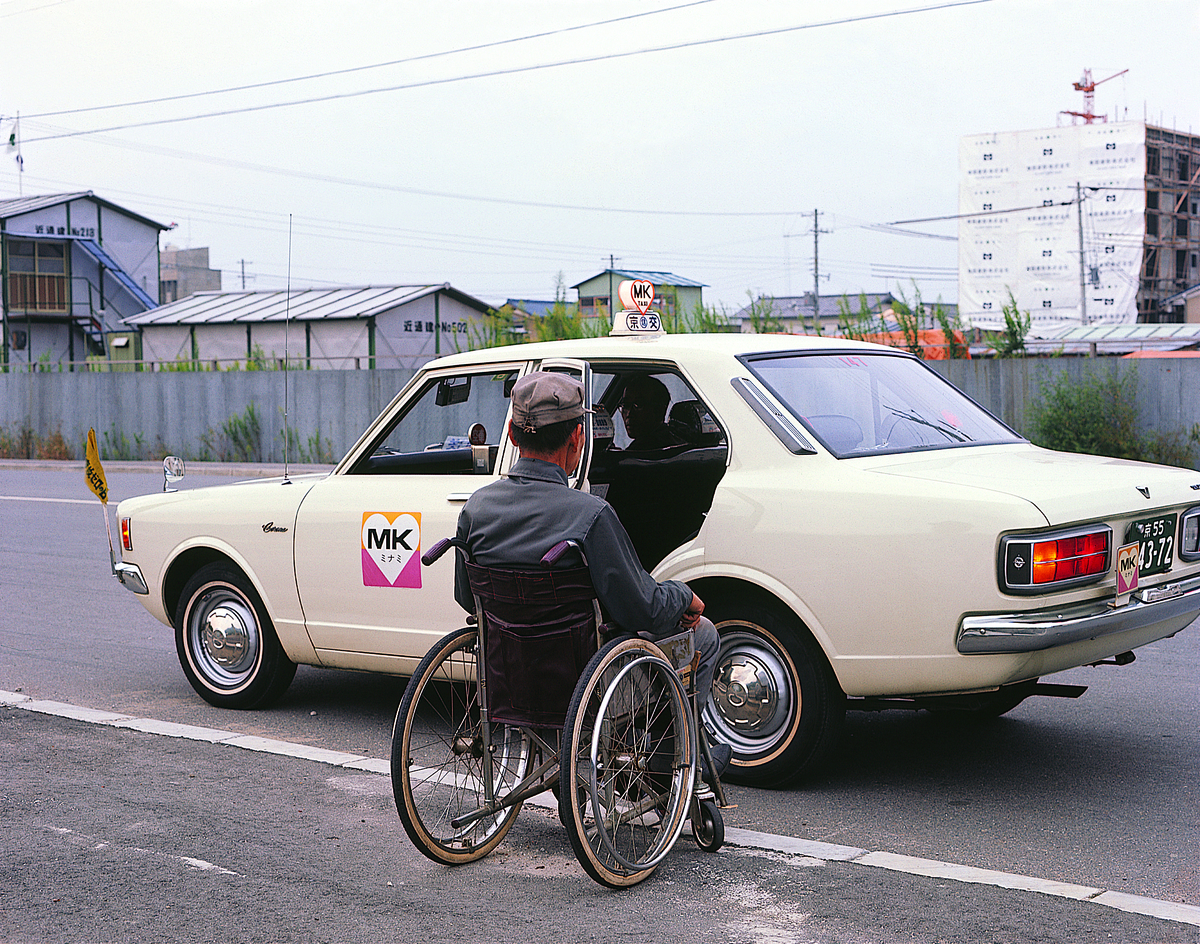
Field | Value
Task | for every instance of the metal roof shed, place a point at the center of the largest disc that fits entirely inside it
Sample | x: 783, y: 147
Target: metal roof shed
x: 339, y: 328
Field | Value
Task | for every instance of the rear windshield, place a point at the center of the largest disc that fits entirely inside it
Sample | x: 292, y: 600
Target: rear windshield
x: 859, y: 404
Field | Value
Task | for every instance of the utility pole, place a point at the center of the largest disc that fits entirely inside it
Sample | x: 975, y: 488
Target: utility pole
x: 243, y: 262
x: 1083, y: 319
x: 816, y: 273
x: 612, y: 299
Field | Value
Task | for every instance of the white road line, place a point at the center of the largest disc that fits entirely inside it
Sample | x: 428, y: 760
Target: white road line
x: 98, y: 845
x: 61, y: 501
x: 810, y: 849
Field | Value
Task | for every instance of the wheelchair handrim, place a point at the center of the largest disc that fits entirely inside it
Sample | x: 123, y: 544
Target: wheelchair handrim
x: 667, y: 838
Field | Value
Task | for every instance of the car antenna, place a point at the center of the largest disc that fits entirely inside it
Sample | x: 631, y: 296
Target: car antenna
x: 287, y: 314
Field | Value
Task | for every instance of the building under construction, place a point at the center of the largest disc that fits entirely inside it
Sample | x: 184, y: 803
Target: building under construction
x: 1097, y: 223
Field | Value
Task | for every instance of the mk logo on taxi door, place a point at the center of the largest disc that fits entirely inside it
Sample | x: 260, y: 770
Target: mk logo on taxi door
x: 391, y: 549
x: 386, y: 540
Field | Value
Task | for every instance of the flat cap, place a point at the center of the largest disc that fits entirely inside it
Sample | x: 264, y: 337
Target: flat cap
x: 542, y: 398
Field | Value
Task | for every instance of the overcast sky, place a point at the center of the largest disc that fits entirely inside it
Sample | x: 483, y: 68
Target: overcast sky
x: 705, y: 160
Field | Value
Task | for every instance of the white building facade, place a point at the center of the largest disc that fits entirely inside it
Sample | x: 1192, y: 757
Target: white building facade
x: 73, y: 266
x: 1057, y: 217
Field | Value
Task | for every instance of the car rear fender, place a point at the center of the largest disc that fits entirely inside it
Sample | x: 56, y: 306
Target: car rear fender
x: 763, y: 587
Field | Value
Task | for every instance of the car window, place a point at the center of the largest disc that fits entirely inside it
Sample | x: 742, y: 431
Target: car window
x: 654, y: 410
x: 860, y: 403
x: 453, y: 426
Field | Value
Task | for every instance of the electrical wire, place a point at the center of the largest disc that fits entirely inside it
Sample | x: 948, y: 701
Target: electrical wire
x: 512, y: 70
x: 377, y: 65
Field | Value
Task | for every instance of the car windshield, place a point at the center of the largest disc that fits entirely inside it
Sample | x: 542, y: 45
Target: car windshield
x: 864, y: 404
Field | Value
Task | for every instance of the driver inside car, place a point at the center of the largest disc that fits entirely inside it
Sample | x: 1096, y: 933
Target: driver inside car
x: 643, y: 408
x: 514, y: 521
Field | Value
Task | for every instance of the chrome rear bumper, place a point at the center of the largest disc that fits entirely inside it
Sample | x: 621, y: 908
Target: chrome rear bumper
x: 1173, y: 606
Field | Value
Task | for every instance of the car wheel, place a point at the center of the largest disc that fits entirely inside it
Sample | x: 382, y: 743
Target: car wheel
x: 226, y: 643
x: 775, y: 699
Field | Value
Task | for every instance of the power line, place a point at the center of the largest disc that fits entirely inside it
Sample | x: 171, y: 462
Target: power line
x: 963, y: 216
x: 514, y: 70
x: 417, y: 191
x: 376, y: 65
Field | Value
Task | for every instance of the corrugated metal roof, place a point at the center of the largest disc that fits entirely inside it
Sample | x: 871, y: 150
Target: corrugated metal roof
x: 17, y: 206
x: 20, y: 205
x: 658, y: 278
x: 1117, y: 332
x: 310, y: 304
x: 1111, y: 338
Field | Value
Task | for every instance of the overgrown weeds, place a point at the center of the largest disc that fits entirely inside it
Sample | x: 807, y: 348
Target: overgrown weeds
x: 238, y: 440
x: 315, y: 449
x: 22, y: 442
x: 1099, y: 415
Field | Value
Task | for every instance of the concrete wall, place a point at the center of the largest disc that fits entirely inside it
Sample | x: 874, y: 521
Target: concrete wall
x: 174, y: 412
x: 1168, y: 387
x: 178, y: 409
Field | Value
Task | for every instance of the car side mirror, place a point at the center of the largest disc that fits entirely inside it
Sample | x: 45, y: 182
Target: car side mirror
x: 172, y: 471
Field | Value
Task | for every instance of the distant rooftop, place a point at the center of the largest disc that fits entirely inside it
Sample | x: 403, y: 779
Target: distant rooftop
x: 828, y: 306
x: 658, y: 278
x: 19, y: 206
x: 532, y: 307
x: 311, y: 304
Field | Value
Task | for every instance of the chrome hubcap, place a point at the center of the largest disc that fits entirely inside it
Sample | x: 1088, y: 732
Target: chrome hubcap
x: 753, y: 697
x: 225, y: 638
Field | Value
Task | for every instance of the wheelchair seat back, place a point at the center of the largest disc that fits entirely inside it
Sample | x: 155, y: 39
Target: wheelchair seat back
x: 539, y: 631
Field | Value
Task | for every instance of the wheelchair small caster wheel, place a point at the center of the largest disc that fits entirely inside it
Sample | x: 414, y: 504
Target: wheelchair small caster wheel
x: 708, y: 828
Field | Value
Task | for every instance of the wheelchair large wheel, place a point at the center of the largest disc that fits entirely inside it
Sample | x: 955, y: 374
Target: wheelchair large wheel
x: 438, y: 757
x: 628, y: 763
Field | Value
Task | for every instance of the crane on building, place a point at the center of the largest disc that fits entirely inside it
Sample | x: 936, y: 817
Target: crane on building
x: 1088, y: 87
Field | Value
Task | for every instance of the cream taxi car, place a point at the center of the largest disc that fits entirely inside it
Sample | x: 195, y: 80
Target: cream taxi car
x: 863, y: 534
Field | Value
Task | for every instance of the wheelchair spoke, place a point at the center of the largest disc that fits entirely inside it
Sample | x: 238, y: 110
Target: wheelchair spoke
x: 630, y: 758
x: 438, y: 758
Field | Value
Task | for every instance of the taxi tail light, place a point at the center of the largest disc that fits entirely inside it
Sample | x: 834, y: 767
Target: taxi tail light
x: 1189, y: 535
x: 1039, y: 563
x: 1068, y: 558
x: 127, y: 533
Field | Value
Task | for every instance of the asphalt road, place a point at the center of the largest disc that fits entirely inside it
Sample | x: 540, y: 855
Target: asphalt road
x: 1099, y: 791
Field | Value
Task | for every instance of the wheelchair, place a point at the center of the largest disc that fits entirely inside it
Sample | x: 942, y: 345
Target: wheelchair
x: 527, y: 700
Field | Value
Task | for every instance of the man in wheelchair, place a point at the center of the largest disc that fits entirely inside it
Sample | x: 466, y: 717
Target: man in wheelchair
x: 512, y: 522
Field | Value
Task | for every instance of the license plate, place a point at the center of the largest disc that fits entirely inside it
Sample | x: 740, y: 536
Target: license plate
x: 1156, y: 540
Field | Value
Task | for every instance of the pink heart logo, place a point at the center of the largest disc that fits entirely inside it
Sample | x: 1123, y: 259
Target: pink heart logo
x: 391, y: 545
x: 636, y: 293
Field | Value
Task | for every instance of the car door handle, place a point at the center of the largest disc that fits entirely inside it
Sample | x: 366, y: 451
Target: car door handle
x: 458, y: 496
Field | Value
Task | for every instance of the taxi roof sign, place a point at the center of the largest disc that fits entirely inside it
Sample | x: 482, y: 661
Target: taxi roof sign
x: 635, y: 296
x: 636, y: 293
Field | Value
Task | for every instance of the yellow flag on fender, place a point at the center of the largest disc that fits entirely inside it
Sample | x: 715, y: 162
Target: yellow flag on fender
x: 94, y: 470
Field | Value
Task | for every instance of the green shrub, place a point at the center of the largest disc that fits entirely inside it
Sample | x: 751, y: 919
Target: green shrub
x: 1099, y: 415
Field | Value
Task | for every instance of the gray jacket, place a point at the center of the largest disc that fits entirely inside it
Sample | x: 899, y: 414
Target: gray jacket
x: 513, y: 522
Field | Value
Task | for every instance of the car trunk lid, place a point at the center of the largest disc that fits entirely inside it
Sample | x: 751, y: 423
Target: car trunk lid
x: 1065, y: 487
